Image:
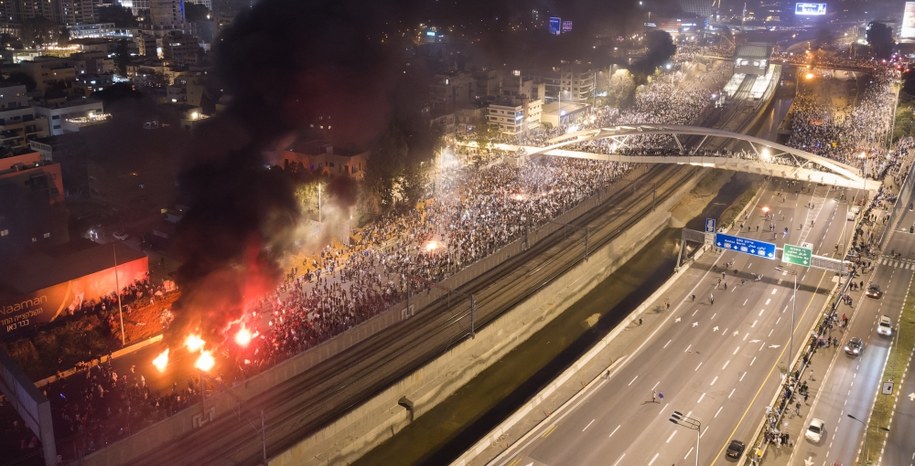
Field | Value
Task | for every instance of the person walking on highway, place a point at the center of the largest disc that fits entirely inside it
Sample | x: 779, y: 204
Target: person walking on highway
x: 711, y: 298
x: 654, y: 397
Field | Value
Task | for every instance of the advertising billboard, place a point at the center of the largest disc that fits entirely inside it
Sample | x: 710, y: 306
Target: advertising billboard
x: 555, y: 25
x: 810, y: 9
x: 566, y: 26
x: 907, y: 31
x: 49, y: 303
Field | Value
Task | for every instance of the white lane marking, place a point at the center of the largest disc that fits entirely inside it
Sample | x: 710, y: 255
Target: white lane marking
x: 654, y: 458
x: 621, y: 459
x: 735, y: 352
x: 725, y: 366
x: 687, y: 348
x: 746, y: 301
x: 614, y: 431
x: 633, y: 380
x: 656, y: 385
x: 719, y: 411
x: 770, y: 332
x: 688, y: 453
x: 694, y: 313
x: 725, y: 332
x: 713, y: 316
x: 761, y: 312
x: 732, y: 393
x: 774, y: 290
x: 697, y: 367
x: 769, y: 300
x: 672, y: 435
x: 589, y: 425
x: 778, y: 320
x: 745, y: 336
x: 754, y: 323
x: 668, y: 342
x: 703, y: 432
x: 751, y: 363
x: 714, y: 380
x: 700, y: 398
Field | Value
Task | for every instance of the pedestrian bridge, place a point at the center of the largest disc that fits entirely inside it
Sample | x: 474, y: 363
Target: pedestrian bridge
x: 693, y: 147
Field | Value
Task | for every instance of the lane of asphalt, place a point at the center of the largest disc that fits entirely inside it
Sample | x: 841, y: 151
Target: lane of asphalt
x: 727, y: 359
x: 851, y: 384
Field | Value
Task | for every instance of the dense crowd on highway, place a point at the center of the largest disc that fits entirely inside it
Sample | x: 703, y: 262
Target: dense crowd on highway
x: 817, y: 126
x: 473, y: 211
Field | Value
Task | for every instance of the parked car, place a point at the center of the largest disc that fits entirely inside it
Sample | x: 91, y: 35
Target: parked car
x: 735, y: 449
x: 885, y: 326
x: 874, y: 291
x: 854, y: 347
x: 815, y: 430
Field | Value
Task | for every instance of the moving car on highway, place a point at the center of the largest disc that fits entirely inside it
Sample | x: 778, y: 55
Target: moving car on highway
x: 854, y: 346
x: 873, y: 291
x: 815, y: 430
x: 885, y: 326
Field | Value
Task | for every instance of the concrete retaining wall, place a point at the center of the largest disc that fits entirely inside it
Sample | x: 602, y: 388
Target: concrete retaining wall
x: 380, y: 418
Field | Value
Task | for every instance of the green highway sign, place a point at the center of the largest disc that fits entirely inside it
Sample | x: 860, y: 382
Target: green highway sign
x: 797, y: 255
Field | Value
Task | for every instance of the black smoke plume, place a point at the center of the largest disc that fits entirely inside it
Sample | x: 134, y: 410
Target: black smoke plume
x: 285, y: 63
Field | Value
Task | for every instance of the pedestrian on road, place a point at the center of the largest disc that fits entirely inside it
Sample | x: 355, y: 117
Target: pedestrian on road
x: 654, y: 397
x: 797, y: 408
x: 711, y: 298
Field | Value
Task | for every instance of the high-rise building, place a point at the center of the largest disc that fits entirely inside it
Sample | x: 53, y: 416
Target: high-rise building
x: 77, y: 12
x: 166, y: 12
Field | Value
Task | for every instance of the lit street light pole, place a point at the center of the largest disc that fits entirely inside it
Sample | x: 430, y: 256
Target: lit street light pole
x: 690, y: 423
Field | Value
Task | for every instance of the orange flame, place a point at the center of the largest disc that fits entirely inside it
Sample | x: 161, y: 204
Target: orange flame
x: 205, y: 361
x: 161, y: 360
x: 194, y: 343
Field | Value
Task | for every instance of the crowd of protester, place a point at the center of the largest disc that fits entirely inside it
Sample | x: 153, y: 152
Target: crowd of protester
x: 473, y: 211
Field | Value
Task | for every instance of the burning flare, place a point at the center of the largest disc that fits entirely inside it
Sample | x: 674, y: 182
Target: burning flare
x: 161, y: 360
x: 194, y: 343
x: 243, y: 336
x: 205, y: 361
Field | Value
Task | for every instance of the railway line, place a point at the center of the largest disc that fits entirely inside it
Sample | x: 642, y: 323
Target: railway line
x: 302, y: 405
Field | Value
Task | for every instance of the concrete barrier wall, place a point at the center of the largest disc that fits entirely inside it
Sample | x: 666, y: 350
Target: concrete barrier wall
x: 380, y: 418
x: 223, y: 401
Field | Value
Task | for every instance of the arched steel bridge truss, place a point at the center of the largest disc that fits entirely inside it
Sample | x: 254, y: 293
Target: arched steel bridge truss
x: 758, y: 155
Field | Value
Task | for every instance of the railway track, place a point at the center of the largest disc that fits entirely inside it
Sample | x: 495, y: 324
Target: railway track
x: 304, y: 404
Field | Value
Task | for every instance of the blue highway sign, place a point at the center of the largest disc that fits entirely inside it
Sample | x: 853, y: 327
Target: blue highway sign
x: 745, y: 245
x: 710, y: 225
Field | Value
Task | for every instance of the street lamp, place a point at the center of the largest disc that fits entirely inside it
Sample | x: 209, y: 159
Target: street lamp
x: 865, y: 436
x: 690, y: 423
x: 793, y: 309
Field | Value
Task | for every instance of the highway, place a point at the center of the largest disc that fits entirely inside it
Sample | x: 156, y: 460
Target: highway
x: 718, y: 362
x: 852, y: 383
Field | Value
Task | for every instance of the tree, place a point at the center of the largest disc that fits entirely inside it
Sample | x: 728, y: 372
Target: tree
x: 122, y: 56
x: 661, y: 48
x: 195, y: 12
x: 880, y: 38
x: 19, y: 77
x: 117, y: 14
